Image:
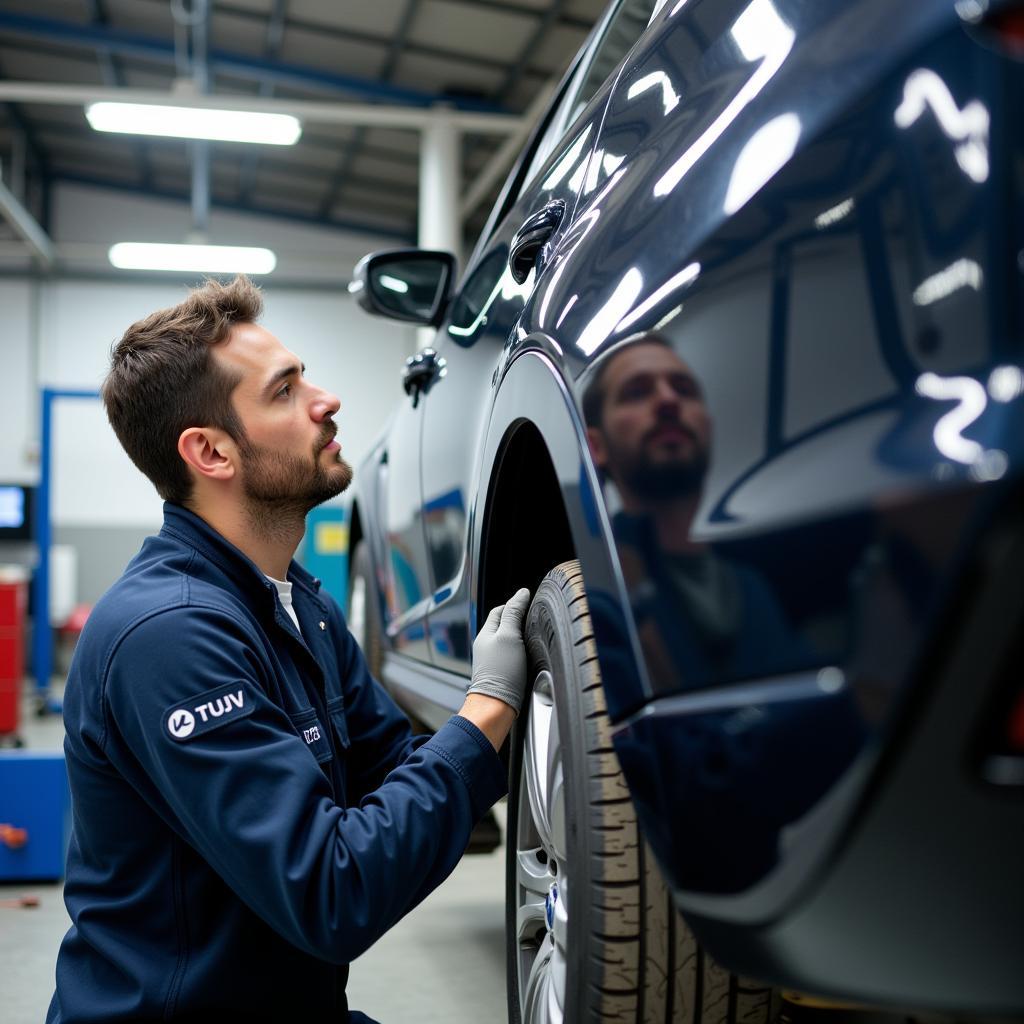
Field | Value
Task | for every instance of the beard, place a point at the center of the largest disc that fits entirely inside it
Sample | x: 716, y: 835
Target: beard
x: 280, y: 489
x: 660, y: 480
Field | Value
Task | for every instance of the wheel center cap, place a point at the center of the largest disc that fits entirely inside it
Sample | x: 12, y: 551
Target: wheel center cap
x: 549, y: 905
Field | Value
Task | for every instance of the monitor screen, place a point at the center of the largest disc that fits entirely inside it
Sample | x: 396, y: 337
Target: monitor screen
x: 12, y: 507
x: 15, y: 512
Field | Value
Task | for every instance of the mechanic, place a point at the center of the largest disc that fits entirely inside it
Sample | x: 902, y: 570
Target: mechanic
x: 250, y: 809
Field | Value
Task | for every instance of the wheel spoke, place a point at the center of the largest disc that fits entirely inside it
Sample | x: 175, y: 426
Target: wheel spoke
x: 557, y: 832
x: 542, y: 1001
x: 545, y: 774
x: 560, y: 934
x: 532, y: 872
x: 533, y: 881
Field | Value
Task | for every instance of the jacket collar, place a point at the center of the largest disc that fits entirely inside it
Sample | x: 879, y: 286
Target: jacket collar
x: 194, y: 531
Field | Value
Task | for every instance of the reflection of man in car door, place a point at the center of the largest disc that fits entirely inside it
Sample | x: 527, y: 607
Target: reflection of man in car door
x: 704, y: 619
x: 650, y: 434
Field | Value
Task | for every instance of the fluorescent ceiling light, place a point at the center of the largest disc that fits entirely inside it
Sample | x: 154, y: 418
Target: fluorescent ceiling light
x: 393, y: 283
x: 215, y: 259
x: 195, y: 123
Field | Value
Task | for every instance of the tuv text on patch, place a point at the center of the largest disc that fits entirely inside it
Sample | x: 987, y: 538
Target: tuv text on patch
x: 207, y: 711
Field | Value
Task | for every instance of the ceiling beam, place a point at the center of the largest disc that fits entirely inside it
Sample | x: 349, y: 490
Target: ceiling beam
x: 59, y: 128
x: 182, y: 195
x: 326, y: 112
x: 26, y: 227
x: 122, y: 42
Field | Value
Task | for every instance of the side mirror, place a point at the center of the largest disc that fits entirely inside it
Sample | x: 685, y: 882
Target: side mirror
x: 411, y: 285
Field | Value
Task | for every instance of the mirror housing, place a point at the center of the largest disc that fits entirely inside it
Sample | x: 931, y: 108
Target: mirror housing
x: 413, y: 286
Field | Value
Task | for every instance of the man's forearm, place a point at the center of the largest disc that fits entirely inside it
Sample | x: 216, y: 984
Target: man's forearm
x: 491, y: 716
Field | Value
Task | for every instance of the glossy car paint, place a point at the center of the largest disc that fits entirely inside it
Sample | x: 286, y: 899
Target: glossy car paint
x: 826, y: 230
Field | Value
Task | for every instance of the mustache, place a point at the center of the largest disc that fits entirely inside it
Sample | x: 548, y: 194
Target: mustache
x: 330, y: 432
x: 671, y: 421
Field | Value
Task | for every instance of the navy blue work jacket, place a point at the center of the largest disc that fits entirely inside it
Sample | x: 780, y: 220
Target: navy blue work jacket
x: 249, y: 809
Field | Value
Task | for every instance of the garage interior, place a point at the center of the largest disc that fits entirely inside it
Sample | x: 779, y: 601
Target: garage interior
x: 396, y: 124
x: 411, y: 113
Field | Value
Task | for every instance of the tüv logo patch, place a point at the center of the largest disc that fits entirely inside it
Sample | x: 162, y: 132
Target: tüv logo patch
x: 180, y: 724
x: 208, y: 711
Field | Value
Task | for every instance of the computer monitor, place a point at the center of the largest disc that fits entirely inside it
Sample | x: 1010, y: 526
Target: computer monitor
x: 15, y: 512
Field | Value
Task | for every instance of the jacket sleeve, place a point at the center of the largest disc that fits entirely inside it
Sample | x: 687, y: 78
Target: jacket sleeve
x: 244, y: 790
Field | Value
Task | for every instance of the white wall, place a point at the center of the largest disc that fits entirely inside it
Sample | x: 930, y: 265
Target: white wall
x: 18, y: 406
x: 95, y: 484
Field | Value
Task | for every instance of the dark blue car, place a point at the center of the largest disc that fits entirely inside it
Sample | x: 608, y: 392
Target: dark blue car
x: 733, y: 382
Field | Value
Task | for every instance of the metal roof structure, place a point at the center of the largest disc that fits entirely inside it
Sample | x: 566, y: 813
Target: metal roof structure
x: 484, y: 56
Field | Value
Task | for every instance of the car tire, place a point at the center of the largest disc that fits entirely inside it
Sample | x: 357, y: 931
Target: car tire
x: 591, y: 932
x: 363, y: 613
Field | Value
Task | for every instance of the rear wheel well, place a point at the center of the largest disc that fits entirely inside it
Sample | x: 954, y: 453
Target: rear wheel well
x: 526, y: 532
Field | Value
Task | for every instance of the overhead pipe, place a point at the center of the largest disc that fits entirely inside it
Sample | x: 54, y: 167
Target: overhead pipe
x: 193, y: 25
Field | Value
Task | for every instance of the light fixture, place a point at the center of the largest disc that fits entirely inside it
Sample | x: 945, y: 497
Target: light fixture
x: 195, y: 123
x: 214, y: 259
x: 393, y: 284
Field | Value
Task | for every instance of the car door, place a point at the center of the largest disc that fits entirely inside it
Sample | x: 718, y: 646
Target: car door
x: 484, y: 315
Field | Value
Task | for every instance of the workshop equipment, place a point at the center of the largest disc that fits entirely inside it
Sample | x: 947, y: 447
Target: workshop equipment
x: 34, y: 815
x: 13, y: 602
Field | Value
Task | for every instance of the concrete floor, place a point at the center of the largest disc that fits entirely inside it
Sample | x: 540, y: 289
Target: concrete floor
x: 445, y: 962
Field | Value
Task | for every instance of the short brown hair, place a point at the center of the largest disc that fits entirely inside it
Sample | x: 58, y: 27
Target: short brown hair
x: 163, y: 379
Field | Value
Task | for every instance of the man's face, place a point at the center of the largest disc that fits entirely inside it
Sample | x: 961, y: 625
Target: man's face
x: 655, y: 432
x: 289, y: 458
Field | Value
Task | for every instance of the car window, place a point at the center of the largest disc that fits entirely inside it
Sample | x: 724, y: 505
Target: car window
x: 620, y: 33
x: 468, y: 312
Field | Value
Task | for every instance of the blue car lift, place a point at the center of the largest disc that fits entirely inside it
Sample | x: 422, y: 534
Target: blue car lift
x: 42, y: 632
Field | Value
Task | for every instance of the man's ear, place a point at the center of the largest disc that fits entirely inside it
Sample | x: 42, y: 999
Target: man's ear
x: 598, y: 449
x: 209, y: 451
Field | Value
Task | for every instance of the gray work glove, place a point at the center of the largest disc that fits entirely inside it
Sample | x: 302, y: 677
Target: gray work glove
x: 499, y: 654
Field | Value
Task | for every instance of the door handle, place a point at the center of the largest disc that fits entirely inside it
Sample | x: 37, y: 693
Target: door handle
x: 421, y: 371
x: 527, y: 249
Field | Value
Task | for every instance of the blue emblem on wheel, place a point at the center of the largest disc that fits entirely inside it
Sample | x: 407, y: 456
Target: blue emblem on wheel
x: 549, y: 906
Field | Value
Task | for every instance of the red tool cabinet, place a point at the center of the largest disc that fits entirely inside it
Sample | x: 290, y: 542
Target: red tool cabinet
x: 13, y: 602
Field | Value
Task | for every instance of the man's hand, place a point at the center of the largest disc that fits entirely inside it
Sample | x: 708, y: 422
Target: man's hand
x: 495, y: 693
x: 499, y: 654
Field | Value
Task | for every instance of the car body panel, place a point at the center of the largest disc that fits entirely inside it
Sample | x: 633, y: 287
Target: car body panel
x: 825, y: 231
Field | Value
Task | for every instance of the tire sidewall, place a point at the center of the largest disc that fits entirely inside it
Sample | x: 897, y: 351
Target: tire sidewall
x: 549, y: 644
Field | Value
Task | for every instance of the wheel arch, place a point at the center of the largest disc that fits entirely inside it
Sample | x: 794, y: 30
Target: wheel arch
x: 533, y: 517
x: 543, y: 507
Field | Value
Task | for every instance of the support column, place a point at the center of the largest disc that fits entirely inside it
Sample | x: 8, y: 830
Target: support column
x: 440, y: 223
x: 440, y: 185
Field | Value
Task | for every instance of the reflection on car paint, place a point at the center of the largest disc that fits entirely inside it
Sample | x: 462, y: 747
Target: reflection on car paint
x: 967, y: 127
x: 761, y: 35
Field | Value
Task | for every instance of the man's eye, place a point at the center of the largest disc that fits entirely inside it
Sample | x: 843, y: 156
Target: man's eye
x: 285, y: 391
x: 634, y: 392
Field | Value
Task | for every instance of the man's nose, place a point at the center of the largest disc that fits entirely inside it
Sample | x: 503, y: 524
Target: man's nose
x: 667, y: 396
x: 325, y: 405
